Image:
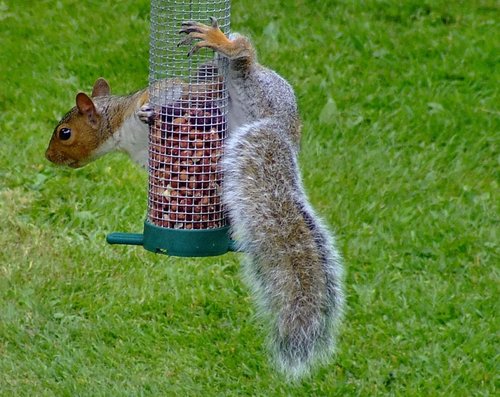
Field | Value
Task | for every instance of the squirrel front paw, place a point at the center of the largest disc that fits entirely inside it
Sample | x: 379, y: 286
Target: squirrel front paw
x: 146, y: 114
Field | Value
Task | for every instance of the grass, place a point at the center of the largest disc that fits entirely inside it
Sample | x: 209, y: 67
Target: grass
x: 399, y: 155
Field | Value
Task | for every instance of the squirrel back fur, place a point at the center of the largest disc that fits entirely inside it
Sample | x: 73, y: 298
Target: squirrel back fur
x: 291, y: 263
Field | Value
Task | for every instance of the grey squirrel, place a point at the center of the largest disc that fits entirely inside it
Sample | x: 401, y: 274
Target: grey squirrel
x: 103, y: 123
x: 291, y: 263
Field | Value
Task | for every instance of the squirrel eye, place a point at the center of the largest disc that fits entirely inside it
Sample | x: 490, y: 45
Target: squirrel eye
x: 64, y: 134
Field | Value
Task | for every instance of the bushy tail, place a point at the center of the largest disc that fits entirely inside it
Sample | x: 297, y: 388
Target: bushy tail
x: 291, y: 262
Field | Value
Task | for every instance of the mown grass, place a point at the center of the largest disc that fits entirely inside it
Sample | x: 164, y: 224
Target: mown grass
x: 399, y: 154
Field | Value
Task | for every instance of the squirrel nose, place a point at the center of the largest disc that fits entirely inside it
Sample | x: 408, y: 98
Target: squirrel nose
x: 49, y: 154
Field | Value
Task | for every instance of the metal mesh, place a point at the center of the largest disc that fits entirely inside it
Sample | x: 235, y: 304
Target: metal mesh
x: 186, y: 139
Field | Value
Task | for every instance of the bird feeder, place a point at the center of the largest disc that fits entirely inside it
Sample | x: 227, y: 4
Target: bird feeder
x: 185, y: 215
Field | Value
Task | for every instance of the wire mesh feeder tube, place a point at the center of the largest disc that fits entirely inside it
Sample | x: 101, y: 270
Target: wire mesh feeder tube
x: 185, y: 215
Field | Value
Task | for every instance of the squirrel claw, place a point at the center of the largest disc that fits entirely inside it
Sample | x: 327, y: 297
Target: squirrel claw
x: 196, y: 30
x: 185, y: 40
x: 194, y: 49
x: 215, y: 23
x: 192, y: 27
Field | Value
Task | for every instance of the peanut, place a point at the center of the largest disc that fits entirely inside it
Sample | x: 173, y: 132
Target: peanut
x: 185, y: 182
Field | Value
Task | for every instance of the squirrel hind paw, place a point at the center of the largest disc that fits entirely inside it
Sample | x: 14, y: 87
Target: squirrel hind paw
x: 208, y: 36
x: 146, y: 114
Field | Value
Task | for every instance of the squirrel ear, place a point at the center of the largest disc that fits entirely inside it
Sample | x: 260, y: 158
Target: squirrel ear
x: 86, y: 106
x: 101, y: 88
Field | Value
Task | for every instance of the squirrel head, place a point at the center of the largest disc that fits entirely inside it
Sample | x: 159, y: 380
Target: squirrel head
x: 81, y: 131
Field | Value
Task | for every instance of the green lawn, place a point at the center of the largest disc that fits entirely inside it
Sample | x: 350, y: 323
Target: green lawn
x: 400, y: 104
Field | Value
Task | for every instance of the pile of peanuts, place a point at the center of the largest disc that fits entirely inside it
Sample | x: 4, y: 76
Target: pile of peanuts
x: 184, y: 177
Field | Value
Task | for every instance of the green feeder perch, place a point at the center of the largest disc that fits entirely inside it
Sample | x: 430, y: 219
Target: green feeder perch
x: 185, y: 215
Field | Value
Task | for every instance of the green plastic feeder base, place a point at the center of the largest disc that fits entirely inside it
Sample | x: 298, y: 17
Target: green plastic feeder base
x: 178, y: 242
